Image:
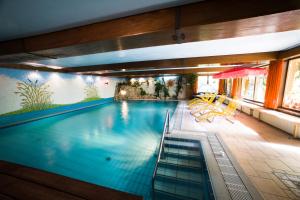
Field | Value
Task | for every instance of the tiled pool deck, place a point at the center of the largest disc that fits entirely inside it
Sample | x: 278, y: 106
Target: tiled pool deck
x: 261, y: 151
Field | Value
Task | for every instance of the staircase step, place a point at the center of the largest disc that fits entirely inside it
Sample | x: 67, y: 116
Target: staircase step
x: 182, y: 152
x: 188, y: 191
x: 196, y: 158
x: 184, y: 175
x: 180, y: 162
x: 182, y: 144
x: 181, y: 139
x: 160, y: 195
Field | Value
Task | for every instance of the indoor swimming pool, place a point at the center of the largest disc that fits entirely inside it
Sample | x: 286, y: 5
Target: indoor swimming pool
x: 112, y: 145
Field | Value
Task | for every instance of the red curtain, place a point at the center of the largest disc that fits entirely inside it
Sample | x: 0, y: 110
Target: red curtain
x: 221, y: 89
x: 240, y: 72
x: 274, y: 81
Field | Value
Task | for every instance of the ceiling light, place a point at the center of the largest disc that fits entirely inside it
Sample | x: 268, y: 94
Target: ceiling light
x: 209, y: 65
x: 207, y: 72
x: 34, y: 64
x: 42, y: 65
x: 123, y: 70
x: 53, y: 67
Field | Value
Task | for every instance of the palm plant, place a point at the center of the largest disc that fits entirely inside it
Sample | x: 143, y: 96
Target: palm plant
x: 178, y: 86
x: 158, y: 87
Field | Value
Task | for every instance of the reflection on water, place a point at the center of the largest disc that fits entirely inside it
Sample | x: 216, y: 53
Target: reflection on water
x: 124, y: 111
x: 109, y: 121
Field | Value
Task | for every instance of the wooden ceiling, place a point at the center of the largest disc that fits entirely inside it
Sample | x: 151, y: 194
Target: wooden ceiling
x: 207, y: 20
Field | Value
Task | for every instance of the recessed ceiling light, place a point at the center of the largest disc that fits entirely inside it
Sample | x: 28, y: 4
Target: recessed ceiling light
x: 42, y: 65
x: 53, y: 67
x: 207, y: 73
x: 33, y: 64
x: 209, y: 65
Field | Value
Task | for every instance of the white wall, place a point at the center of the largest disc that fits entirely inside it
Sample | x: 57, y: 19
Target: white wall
x: 8, y: 99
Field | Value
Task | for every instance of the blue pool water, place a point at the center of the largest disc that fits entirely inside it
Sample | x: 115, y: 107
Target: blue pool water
x: 112, y: 145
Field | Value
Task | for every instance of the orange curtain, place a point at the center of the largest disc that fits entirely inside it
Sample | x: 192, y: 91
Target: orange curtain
x: 195, y: 86
x: 236, y: 88
x: 274, y: 82
x: 221, y: 89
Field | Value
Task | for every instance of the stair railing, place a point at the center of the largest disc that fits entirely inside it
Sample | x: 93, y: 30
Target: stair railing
x: 161, y: 147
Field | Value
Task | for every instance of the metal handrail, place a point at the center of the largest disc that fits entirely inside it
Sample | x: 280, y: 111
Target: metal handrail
x: 161, y: 145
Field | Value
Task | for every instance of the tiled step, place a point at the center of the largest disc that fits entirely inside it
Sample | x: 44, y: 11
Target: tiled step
x: 159, y: 195
x: 187, y: 191
x: 180, y: 139
x: 182, y: 144
x: 180, y: 162
x: 184, y: 175
x: 198, y: 158
x: 182, y: 152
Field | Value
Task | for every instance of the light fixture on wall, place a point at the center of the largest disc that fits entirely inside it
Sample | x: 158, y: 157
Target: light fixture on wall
x: 34, y: 76
x: 123, y: 70
x: 169, y: 77
x: 141, y: 80
x: 89, y: 79
x: 55, y: 76
x: 132, y: 80
x: 123, y: 92
x: 79, y: 77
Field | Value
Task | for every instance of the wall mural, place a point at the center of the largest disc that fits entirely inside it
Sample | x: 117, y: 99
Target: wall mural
x: 34, y: 95
x: 25, y: 90
x: 91, y: 90
x: 168, y: 87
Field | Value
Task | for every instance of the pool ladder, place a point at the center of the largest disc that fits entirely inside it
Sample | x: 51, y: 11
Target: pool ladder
x: 161, y: 149
x: 178, y: 172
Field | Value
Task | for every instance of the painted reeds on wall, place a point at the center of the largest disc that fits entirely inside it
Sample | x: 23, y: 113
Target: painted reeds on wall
x: 35, y: 95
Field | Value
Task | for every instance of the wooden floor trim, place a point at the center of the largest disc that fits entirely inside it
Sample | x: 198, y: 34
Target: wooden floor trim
x: 20, y: 182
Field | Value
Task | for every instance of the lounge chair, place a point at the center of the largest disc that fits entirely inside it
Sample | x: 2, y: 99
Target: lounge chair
x: 192, y: 101
x: 209, y: 107
x: 227, y: 112
x: 204, y: 99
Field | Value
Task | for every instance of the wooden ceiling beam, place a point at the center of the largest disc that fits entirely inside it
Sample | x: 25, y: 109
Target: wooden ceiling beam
x: 200, y: 21
x: 163, y: 72
x: 290, y: 53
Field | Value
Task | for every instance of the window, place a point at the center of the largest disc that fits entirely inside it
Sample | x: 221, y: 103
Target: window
x: 228, y: 86
x: 248, y: 84
x: 291, y: 98
x: 260, y: 88
x: 254, y: 88
x: 207, y: 84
